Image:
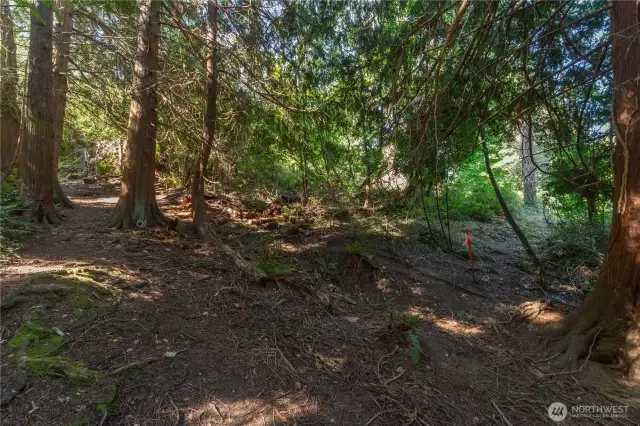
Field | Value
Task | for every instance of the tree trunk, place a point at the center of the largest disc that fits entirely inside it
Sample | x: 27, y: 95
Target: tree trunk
x: 591, y: 208
x: 507, y: 214
x: 62, y: 44
x: 367, y: 192
x: 137, y: 205
x: 200, y: 221
x: 592, y: 195
x: 525, y: 139
x: 304, y: 190
x: 607, y: 326
x: 9, y: 110
x: 35, y: 167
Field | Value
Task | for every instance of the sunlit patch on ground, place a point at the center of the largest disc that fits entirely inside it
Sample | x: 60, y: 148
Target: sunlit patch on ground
x: 32, y: 269
x: 283, y: 408
x: 456, y: 327
x: 197, y: 342
x: 539, y: 313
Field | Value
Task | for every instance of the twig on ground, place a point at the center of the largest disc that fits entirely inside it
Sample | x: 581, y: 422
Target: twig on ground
x: 103, y: 419
x: 500, y: 413
x: 131, y: 365
x: 177, y: 411
x: 293, y: 370
x: 396, y: 377
x: 376, y: 416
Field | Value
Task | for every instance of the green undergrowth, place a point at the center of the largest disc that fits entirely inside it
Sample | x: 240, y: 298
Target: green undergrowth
x: 274, y: 269
x: 13, y: 227
x: 107, y: 406
x: 356, y: 249
x: 410, y: 321
x: 572, y: 244
x: 39, y: 349
x: 405, y: 323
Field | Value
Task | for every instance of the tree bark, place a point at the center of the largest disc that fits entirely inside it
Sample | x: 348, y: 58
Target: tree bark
x: 607, y: 326
x: 35, y: 166
x: 9, y: 110
x: 367, y: 192
x: 137, y: 205
x: 62, y: 47
x: 525, y: 139
x: 198, y: 204
x: 507, y: 214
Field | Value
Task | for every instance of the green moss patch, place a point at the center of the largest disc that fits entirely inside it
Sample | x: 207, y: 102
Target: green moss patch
x: 81, y: 279
x: 81, y: 288
x: 57, y: 366
x: 33, y: 340
x: 35, y: 346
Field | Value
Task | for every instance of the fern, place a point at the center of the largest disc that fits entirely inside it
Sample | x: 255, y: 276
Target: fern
x: 273, y: 268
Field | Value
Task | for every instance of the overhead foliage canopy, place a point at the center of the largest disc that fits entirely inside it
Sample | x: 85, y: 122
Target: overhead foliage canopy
x: 345, y: 92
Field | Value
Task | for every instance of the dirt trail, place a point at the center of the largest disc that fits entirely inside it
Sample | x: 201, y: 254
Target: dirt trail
x: 181, y: 336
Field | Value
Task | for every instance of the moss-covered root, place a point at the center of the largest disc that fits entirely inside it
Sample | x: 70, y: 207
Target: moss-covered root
x: 57, y: 366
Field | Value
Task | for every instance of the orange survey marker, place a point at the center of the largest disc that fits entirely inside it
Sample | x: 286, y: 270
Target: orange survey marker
x: 467, y: 242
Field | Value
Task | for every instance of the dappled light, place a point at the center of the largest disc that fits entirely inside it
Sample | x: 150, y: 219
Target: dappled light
x: 456, y: 327
x: 352, y: 213
x: 287, y: 407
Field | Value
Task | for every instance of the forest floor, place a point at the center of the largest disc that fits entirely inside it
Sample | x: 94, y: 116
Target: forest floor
x: 362, y: 323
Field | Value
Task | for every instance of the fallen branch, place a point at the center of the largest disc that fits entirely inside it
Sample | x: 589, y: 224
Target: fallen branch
x: 293, y: 370
x: 468, y: 289
x: 502, y: 416
x: 248, y: 267
x: 342, y: 297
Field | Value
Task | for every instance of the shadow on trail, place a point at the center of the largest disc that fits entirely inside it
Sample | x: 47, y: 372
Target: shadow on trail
x: 192, y: 341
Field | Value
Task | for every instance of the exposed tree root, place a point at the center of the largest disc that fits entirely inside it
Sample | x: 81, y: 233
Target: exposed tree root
x: 59, y: 192
x: 200, y: 220
x: 37, y: 211
x: 591, y: 334
x: 123, y: 216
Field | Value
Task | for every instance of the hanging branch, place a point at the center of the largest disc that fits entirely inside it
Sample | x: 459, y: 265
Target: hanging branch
x: 523, y: 239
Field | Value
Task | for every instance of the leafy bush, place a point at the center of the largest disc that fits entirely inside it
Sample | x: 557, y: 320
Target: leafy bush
x: 471, y: 196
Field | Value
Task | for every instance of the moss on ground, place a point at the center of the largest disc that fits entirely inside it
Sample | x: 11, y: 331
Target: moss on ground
x: 80, y: 279
x: 33, y: 339
x: 58, y: 366
x: 81, y: 288
x: 35, y: 346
